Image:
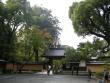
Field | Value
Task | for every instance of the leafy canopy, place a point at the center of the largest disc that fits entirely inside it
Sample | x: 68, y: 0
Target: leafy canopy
x: 85, y: 51
x: 92, y: 17
x: 43, y: 18
x: 15, y: 14
x: 31, y: 40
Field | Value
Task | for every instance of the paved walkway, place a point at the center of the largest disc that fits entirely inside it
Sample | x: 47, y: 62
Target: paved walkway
x: 35, y: 78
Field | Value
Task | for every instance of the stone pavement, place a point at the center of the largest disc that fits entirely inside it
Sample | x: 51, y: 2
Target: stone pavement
x: 35, y: 78
x: 6, y: 76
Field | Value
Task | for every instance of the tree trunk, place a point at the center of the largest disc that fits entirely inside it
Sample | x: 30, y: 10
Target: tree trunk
x: 77, y: 71
x: 36, y: 55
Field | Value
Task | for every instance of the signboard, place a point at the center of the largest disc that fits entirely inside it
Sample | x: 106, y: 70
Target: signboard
x: 55, y: 52
x: 82, y: 63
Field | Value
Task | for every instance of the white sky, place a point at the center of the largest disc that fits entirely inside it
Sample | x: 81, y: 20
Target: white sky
x: 60, y: 9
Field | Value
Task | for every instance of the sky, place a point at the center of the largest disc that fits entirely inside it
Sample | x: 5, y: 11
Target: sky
x: 60, y: 9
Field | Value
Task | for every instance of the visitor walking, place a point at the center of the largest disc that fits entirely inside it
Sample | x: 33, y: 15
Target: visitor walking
x: 106, y: 76
x: 48, y: 70
x: 89, y: 73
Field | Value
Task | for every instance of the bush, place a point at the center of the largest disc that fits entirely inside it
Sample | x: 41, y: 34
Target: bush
x: 99, y: 75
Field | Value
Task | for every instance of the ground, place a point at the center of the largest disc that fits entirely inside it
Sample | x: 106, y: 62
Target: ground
x: 35, y: 78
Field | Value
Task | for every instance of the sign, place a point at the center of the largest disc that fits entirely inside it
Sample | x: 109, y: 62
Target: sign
x: 82, y: 63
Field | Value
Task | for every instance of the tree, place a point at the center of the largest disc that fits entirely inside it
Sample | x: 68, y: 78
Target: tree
x: 43, y: 18
x: 71, y: 55
x: 40, y: 40
x: 85, y: 51
x: 32, y: 41
x: 57, y: 66
x: 12, y: 16
x: 92, y: 17
x: 16, y: 14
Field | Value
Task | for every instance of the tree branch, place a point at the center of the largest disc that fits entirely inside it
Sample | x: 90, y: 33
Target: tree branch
x: 97, y: 27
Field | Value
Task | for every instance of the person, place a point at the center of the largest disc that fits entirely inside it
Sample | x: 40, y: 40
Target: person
x: 106, y: 76
x: 89, y: 73
x: 48, y: 70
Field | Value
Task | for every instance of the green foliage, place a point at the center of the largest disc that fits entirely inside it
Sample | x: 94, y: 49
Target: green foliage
x: 85, y: 51
x: 25, y: 30
x: 11, y: 17
x: 71, y: 54
x: 99, y: 75
x: 57, y: 66
x: 31, y: 41
x: 43, y: 18
x: 91, y: 17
